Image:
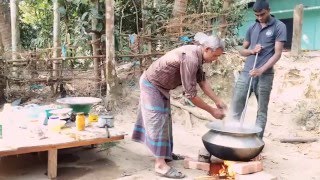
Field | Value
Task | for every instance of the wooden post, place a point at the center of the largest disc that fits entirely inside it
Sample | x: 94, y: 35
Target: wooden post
x: 52, y: 163
x: 297, y: 30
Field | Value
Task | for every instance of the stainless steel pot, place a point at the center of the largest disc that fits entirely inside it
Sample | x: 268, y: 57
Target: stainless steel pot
x: 232, y: 142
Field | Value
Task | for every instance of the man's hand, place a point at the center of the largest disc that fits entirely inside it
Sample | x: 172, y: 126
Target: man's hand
x: 256, y: 49
x: 255, y: 72
x: 217, y: 113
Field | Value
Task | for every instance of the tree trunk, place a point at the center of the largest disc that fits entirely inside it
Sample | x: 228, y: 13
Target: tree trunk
x: 179, y: 9
x: 223, y: 20
x: 15, y: 35
x: 95, y: 47
x: 113, y: 88
x: 5, y: 27
x: 1, y: 46
x: 5, y: 38
x: 56, y: 35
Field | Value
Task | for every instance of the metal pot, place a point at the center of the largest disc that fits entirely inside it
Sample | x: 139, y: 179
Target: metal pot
x: 232, y: 142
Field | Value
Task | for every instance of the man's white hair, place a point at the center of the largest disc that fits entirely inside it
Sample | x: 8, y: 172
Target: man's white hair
x: 212, y: 41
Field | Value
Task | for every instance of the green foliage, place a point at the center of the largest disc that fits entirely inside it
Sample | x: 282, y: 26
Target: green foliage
x: 27, y: 34
x: 36, y: 19
x: 200, y: 6
x: 235, y: 15
x: 36, y: 23
x: 156, y: 15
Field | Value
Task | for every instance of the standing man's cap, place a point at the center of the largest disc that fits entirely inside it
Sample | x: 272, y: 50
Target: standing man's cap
x: 260, y: 4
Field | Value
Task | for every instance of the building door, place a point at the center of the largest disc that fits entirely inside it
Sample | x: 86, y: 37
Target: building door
x: 289, y: 23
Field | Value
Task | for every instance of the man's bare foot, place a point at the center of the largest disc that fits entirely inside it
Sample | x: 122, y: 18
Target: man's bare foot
x: 162, y: 169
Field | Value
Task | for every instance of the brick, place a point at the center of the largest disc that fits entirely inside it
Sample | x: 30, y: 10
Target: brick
x: 190, y: 163
x: 256, y: 176
x: 247, y: 167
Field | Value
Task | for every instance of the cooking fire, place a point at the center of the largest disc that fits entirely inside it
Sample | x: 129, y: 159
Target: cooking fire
x: 222, y: 170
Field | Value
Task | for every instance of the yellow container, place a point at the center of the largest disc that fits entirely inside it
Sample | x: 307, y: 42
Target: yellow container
x: 93, y: 118
x: 80, y: 121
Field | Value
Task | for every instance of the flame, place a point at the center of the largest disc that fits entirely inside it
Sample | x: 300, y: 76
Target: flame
x: 224, y: 169
x: 230, y: 170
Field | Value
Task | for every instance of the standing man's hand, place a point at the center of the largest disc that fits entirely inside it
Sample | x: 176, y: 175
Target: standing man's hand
x: 256, y: 49
x: 255, y: 72
x: 217, y: 113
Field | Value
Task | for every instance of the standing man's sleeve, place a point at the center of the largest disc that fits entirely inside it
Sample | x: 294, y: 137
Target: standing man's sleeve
x: 248, y: 34
x: 281, y: 34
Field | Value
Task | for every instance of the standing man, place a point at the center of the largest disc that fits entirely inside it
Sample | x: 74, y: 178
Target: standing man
x: 265, y: 37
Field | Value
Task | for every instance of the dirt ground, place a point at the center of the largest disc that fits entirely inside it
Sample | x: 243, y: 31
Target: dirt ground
x: 130, y: 160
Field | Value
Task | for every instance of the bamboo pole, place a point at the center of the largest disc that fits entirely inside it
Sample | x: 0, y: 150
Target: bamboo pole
x: 91, y: 57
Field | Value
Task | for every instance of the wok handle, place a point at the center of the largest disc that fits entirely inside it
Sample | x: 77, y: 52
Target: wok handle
x: 243, y: 114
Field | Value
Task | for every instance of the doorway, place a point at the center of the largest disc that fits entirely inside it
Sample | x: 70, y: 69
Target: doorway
x: 289, y: 23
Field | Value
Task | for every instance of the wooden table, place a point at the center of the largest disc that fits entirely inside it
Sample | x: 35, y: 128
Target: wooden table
x: 67, y: 138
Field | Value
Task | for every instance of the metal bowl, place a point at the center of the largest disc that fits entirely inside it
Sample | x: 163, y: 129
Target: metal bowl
x: 79, y: 100
x: 80, y: 104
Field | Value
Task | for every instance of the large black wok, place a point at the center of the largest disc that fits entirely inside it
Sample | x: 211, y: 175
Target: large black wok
x: 232, y: 142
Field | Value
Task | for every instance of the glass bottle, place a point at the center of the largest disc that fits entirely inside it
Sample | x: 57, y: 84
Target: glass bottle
x: 80, y: 121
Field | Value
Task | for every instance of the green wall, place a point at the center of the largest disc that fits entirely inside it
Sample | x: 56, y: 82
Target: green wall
x: 283, y: 9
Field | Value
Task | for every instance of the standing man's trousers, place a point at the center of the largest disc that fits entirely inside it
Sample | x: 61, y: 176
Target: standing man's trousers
x: 261, y: 86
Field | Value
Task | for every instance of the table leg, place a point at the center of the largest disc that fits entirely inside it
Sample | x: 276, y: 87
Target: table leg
x: 52, y: 163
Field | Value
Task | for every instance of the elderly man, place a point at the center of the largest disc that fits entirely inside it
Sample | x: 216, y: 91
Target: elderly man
x: 181, y: 66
